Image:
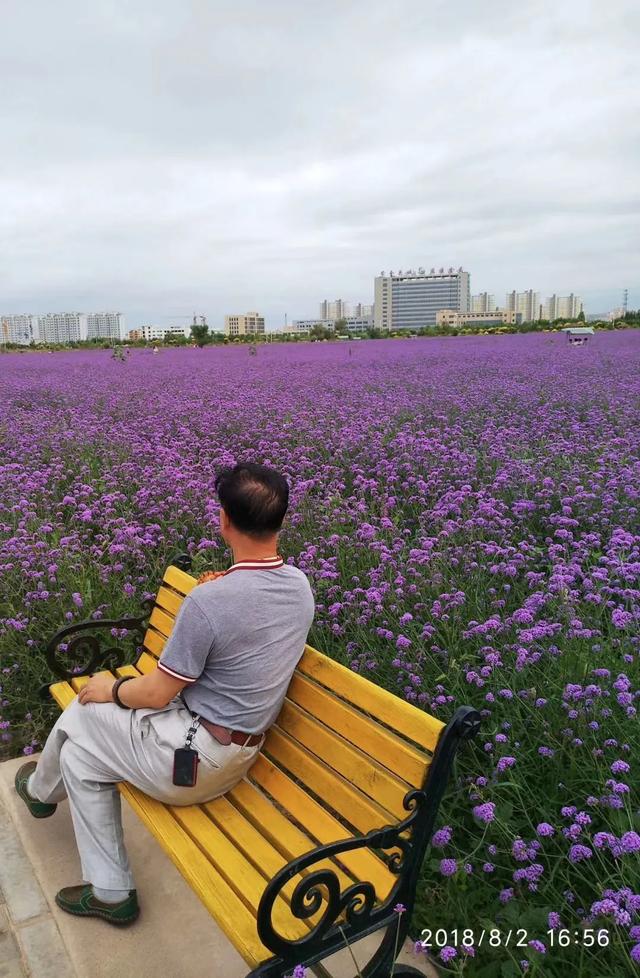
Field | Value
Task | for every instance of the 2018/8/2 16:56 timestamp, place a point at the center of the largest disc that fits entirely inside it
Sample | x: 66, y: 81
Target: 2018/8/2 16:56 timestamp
x: 469, y: 937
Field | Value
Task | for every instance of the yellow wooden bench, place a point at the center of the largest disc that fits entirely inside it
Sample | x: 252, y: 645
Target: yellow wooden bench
x: 326, y: 835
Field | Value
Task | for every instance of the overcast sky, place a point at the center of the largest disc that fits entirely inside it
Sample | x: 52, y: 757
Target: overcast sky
x: 165, y: 156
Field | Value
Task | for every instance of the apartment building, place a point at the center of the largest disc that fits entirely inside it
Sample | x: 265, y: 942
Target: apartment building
x: 526, y: 303
x: 483, y: 302
x: 62, y: 327
x: 105, y: 325
x: 562, y: 307
x: 20, y: 329
x: 249, y: 324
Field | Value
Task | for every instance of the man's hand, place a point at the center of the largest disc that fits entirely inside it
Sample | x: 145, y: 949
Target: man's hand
x: 155, y: 689
x: 97, y: 690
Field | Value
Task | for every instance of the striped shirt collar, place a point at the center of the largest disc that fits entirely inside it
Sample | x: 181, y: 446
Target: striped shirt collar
x: 264, y: 563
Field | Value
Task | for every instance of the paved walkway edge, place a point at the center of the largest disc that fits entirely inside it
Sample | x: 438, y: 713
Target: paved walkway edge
x: 28, y: 918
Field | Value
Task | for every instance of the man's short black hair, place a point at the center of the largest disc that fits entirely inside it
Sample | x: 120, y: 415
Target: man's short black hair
x: 254, y: 497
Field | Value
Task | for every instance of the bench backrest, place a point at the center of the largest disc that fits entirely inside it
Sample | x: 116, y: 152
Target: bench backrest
x: 356, y: 747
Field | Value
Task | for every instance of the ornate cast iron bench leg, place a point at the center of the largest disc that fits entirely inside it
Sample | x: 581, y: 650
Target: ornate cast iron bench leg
x: 356, y: 907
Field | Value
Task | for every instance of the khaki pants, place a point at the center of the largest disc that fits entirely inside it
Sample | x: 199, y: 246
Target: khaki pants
x: 94, y: 746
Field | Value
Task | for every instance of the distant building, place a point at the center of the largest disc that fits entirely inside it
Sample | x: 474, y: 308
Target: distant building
x: 249, y: 324
x: 306, y: 325
x: 337, y: 309
x: 361, y: 311
x: 562, y: 307
x: 451, y: 317
x: 105, y: 325
x: 411, y: 300
x: 483, y: 302
x: 526, y: 303
x: 153, y: 333
x: 352, y: 324
x: 617, y: 313
x: 21, y: 329
x: 358, y: 324
x: 62, y: 327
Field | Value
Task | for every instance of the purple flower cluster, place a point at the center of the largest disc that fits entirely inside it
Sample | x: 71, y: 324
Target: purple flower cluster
x: 468, y: 514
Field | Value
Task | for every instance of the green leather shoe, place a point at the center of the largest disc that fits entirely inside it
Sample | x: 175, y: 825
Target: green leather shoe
x: 39, y: 809
x: 79, y: 900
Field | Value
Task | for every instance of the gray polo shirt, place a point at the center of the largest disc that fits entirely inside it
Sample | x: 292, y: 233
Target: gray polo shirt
x: 237, y: 640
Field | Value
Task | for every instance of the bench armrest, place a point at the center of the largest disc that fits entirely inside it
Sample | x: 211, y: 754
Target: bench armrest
x: 356, y: 904
x: 94, y: 655
x: 93, y: 650
x: 353, y: 913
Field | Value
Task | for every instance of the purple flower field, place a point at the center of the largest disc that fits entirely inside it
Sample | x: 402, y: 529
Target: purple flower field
x: 468, y: 511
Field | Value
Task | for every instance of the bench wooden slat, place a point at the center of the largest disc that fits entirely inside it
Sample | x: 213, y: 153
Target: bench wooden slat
x: 179, y: 581
x: 283, y: 835
x: 239, y: 874
x: 361, y: 771
x: 146, y: 663
x: 153, y: 642
x: 382, y: 745
x: 162, y: 621
x: 169, y: 600
x: 128, y: 671
x: 62, y: 693
x: 244, y: 834
x: 305, y: 810
x: 336, y: 792
x: 389, y: 709
x: 222, y: 902
x: 250, y: 839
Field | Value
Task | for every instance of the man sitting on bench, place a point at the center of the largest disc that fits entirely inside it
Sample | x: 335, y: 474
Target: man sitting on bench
x: 220, y: 683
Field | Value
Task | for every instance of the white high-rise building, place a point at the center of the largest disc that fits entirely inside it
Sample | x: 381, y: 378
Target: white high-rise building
x: 338, y: 309
x: 21, y: 329
x: 105, y: 325
x: 361, y: 310
x: 62, y: 327
x: 483, y: 302
x: 412, y: 299
x: 562, y: 307
x: 526, y: 303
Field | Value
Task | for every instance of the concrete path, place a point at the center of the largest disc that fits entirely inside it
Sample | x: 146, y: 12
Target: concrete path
x: 174, y: 937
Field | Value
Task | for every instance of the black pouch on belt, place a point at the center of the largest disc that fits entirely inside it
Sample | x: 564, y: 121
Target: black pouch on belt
x: 185, y: 767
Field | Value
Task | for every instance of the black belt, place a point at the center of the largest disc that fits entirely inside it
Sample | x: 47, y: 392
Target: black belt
x: 220, y: 733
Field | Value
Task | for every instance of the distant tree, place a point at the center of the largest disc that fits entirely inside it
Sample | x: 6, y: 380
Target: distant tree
x: 200, y: 333
x: 581, y: 316
x: 319, y: 332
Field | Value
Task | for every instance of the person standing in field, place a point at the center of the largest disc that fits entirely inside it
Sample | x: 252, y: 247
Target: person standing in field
x: 219, y: 685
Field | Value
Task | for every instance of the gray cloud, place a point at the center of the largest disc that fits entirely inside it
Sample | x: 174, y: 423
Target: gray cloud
x: 217, y: 155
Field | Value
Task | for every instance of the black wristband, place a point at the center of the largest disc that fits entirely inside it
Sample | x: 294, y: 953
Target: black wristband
x: 114, y: 691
